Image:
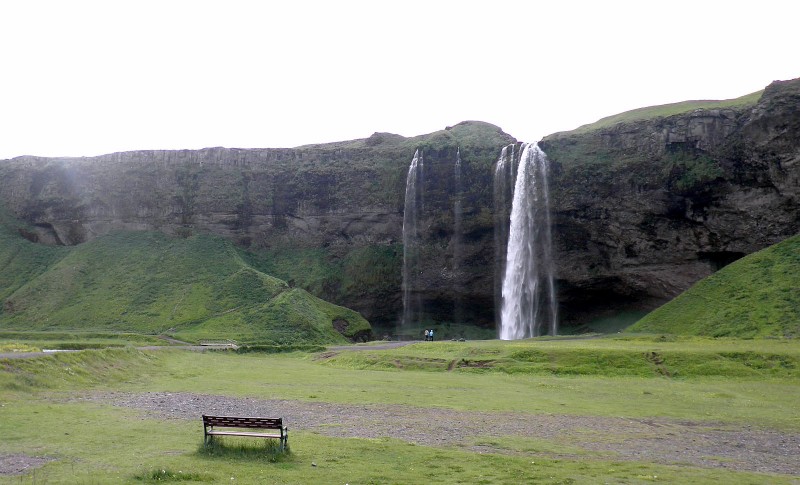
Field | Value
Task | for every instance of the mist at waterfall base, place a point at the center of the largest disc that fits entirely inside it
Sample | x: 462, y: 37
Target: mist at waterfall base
x: 525, y: 297
x: 529, y: 306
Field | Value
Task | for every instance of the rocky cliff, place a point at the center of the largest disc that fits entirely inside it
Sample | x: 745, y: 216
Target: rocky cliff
x: 325, y: 217
x: 646, y: 208
x: 642, y: 208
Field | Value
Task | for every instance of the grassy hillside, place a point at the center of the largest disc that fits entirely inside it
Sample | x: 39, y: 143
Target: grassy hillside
x: 671, y: 109
x: 756, y: 296
x: 21, y: 260
x: 193, y: 288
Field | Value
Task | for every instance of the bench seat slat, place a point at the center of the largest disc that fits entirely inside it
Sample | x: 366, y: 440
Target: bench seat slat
x: 243, y: 433
x: 239, y: 422
x: 245, y: 425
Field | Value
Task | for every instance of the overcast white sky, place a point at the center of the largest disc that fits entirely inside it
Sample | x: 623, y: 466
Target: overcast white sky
x: 80, y: 78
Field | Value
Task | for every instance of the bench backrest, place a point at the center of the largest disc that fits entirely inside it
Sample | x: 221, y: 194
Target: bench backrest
x: 238, y: 422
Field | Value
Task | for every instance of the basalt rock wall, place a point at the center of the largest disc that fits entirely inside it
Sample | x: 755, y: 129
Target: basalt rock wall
x: 645, y: 209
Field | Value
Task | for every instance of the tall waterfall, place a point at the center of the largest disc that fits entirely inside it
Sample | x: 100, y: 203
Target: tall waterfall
x: 412, y: 304
x: 458, y: 304
x: 457, y: 212
x: 529, y: 306
x: 503, y: 186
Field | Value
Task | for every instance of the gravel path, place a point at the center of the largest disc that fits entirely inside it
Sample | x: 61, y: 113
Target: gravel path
x: 33, y: 355
x: 20, y: 463
x: 664, y: 441
x: 177, y: 344
x: 380, y: 346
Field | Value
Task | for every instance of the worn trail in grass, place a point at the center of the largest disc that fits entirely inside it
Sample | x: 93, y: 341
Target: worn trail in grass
x: 654, y: 440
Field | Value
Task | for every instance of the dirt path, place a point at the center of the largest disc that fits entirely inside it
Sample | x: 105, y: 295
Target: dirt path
x: 379, y: 346
x: 20, y: 463
x: 663, y: 441
x: 29, y: 355
x: 194, y: 348
x: 177, y: 344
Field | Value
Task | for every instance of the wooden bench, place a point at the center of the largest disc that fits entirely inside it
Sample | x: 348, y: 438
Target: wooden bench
x: 279, y: 431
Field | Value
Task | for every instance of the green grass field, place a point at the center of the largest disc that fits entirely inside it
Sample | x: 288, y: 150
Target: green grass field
x: 46, y: 410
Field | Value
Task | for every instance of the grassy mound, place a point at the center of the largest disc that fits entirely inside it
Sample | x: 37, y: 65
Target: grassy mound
x: 194, y: 288
x: 644, y: 357
x: 757, y: 296
x: 85, y: 369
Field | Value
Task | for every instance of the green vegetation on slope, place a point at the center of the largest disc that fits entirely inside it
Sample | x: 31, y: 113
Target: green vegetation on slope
x: 757, y: 296
x: 671, y: 109
x: 21, y: 260
x: 369, y: 271
x: 195, y: 288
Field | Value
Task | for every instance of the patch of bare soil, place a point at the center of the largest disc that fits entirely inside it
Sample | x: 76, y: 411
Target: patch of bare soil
x: 710, y: 445
x: 20, y: 463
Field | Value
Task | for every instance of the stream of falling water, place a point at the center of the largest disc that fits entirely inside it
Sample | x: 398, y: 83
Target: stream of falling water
x: 458, y: 303
x: 412, y: 304
x: 529, y: 305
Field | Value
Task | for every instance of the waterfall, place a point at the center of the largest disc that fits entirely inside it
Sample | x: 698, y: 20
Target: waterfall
x: 503, y: 193
x: 458, y: 316
x: 529, y: 297
x: 457, y: 213
x: 412, y: 304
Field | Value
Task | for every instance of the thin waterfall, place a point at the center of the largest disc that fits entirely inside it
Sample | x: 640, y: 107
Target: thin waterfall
x: 529, y: 306
x: 412, y: 304
x: 503, y: 191
x: 458, y: 316
x: 457, y: 213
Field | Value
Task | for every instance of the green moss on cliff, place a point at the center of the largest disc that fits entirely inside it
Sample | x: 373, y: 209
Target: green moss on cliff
x: 371, y: 269
x: 691, y: 173
x: 756, y: 296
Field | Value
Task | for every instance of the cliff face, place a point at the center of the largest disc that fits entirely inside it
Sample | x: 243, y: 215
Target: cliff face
x: 325, y: 217
x: 647, y: 208
x: 642, y: 209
